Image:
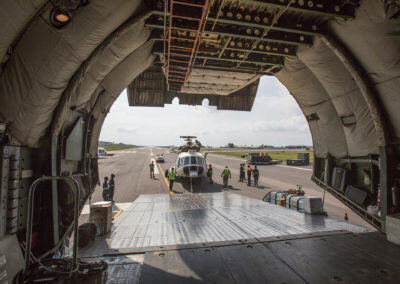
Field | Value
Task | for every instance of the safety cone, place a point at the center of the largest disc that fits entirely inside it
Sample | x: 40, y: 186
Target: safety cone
x: 346, y: 218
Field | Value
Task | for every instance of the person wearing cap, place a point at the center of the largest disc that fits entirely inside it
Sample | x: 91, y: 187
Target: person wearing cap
x: 111, y: 188
x: 171, y: 177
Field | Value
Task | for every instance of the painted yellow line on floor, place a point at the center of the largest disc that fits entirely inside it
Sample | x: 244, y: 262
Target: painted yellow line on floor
x: 165, y: 179
x: 117, y: 214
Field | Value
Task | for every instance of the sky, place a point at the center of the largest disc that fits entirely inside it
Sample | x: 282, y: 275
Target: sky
x: 275, y: 119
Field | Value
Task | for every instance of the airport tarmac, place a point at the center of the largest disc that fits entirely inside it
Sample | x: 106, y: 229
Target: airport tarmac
x: 131, y: 168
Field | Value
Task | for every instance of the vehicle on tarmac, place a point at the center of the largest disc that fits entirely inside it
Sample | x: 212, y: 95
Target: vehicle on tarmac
x: 261, y: 159
x: 101, y: 152
x: 303, y: 159
x: 160, y: 158
x: 190, y: 163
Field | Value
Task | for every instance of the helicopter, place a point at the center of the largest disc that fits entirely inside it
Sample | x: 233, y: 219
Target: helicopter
x: 191, y: 163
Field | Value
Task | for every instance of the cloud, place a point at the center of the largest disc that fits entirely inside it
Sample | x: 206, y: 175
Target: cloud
x: 291, y: 124
x: 268, y: 87
x: 275, y: 119
x: 126, y: 130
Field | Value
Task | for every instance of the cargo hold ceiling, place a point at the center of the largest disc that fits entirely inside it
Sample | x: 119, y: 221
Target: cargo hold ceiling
x: 149, y: 89
x: 46, y: 71
x: 217, y: 48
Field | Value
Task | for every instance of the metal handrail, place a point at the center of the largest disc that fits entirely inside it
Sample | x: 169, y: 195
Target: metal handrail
x: 74, y: 185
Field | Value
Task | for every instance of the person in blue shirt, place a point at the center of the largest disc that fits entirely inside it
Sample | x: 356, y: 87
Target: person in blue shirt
x: 111, y: 188
x: 105, y: 189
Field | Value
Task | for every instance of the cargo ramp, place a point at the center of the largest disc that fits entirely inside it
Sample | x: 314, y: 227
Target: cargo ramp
x: 229, y: 238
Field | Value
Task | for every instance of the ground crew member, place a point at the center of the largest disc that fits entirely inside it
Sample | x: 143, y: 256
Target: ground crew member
x: 210, y: 173
x: 105, y: 189
x: 256, y: 174
x: 151, y: 169
x: 249, y: 170
x: 111, y: 188
x: 171, y: 177
x: 241, y: 173
x: 244, y: 172
x: 226, y: 174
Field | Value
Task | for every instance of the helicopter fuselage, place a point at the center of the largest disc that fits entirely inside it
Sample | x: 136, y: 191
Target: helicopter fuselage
x: 191, y: 164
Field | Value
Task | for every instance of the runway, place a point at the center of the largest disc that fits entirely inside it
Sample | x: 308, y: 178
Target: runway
x: 131, y: 168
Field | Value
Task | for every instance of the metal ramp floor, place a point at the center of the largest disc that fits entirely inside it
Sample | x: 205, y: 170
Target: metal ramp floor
x: 185, y: 219
x: 228, y: 238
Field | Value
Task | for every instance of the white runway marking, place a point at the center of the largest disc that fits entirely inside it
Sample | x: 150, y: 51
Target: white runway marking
x: 124, y: 152
x: 295, y: 168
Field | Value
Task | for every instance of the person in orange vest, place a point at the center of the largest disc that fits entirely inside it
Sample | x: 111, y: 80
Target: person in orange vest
x: 249, y: 170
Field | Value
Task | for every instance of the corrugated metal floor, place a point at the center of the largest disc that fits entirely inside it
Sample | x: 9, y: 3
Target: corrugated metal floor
x: 184, y: 219
x: 343, y: 258
x: 122, y: 269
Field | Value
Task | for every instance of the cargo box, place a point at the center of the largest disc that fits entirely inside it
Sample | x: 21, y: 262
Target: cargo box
x: 313, y: 205
x: 101, y: 216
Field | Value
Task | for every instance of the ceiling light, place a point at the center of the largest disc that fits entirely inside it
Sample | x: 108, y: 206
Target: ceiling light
x: 63, y: 18
x: 60, y: 18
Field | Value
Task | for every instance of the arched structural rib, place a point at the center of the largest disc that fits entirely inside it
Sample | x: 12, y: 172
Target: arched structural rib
x: 365, y: 86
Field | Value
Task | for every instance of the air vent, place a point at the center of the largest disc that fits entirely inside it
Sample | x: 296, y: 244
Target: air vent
x: 312, y: 117
x: 348, y: 120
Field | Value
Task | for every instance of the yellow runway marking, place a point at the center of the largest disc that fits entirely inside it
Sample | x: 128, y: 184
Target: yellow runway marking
x: 165, y: 179
x: 117, y: 214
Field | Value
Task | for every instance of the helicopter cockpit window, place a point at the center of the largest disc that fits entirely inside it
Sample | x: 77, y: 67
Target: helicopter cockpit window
x: 193, y: 160
x: 200, y: 160
x: 186, y: 160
